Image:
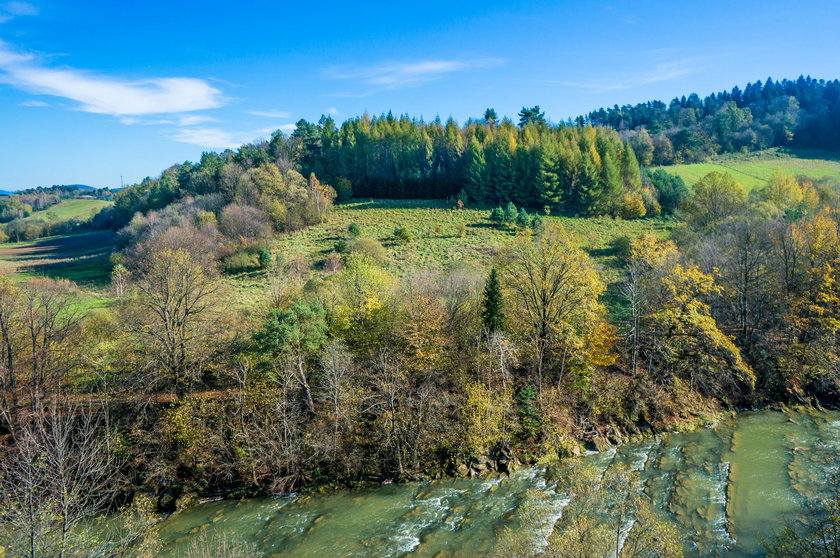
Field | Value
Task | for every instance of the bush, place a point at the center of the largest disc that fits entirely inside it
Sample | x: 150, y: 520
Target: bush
x: 497, y: 216
x: 462, y: 230
x: 354, y: 229
x: 243, y: 222
x: 651, y: 203
x: 523, y: 220
x: 368, y: 246
x: 670, y: 189
x: 239, y: 262
x: 511, y: 213
x: 632, y: 207
x: 340, y: 245
x: 403, y: 235
x: 265, y: 258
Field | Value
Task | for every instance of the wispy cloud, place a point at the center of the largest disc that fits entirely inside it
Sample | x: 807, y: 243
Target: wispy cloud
x: 665, y: 71
x: 398, y: 75
x: 332, y: 111
x: 34, y: 104
x: 9, y: 10
x: 105, y: 94
x: 270, y: 113
x: 217, y: 138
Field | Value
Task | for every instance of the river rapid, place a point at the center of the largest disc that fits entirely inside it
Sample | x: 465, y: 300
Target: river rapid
x: 724, y: 488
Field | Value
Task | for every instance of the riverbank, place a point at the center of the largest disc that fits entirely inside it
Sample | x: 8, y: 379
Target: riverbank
x: 721, y: 487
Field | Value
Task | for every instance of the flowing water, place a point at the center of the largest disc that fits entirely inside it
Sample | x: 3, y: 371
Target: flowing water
x: 724, y: 488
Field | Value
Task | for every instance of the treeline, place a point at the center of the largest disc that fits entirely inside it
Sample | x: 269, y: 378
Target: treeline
x: 565, y: 169
x: 24, y: 203
x: 582, y: 170
x: 801, y: 113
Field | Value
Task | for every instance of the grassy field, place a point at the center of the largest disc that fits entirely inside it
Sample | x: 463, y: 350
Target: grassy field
x: 436, y: 227
x: 753, y: 169
x: 69, y: 209
x: 81, y: 258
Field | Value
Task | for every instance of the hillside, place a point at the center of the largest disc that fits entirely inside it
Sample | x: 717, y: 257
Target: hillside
x: 753, y: 169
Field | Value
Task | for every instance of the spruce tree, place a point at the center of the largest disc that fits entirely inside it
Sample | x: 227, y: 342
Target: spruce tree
x: 492, y: 305
x: 475, y: 178
x: 511, y: 213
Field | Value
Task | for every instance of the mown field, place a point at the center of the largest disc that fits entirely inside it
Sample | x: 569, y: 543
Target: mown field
x: 753, y: 169
x: 69, y: 209
x: 81, y: 258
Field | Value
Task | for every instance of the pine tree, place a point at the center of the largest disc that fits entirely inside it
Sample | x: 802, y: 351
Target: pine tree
x: 492, y: 305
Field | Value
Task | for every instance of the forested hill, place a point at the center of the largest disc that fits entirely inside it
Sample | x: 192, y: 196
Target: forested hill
x: 801, y: 113
x: 590, y: 166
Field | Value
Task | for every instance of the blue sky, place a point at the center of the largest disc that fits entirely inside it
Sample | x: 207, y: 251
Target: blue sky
x: 94, y: 90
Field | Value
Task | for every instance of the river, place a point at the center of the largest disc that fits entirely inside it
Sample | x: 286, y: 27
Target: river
x: 723, y: 488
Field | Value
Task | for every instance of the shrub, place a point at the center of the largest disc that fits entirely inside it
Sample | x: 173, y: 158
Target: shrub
x: 462, y: 230
x: 243, y: 222
x: 340, y: 245
x: 497, y: 216
x: 403, y: 235
x: 265, y: 258
x: 368, y: 246
x: 354, y: 229
x: 651, y: 203
x: 632, y: 207
x: 511, y: 213
x: 238, y: 262
x: 523, y: 220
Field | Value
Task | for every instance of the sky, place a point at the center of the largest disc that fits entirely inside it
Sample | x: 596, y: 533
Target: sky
x: 99, y: 92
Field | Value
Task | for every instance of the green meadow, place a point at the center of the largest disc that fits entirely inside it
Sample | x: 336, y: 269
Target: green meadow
x: 69, y: 209
x: 753, y: 169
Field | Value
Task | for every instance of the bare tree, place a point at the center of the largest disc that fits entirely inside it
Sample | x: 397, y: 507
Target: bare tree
x: 176, y: 317
x: 337, y: 385
x: 58, y: 475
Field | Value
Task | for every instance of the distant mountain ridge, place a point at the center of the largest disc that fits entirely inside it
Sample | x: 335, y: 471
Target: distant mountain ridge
x: 64, y: 186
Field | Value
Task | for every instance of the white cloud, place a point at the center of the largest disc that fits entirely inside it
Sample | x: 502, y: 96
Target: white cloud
x: 271, y: 113
x: 397, y: 75
x: 10, y: 10
x: 104, y: 94
x: 665, y: 71
x: 207, y: 137
x: 216, y: 138
x: 288, y: 127
x: 194, y: 119
x: 19, y: 9
x: 331, y: 111
x: 34, y: 104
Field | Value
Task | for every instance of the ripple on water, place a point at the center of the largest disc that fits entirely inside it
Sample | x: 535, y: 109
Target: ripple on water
x: 718, y: 486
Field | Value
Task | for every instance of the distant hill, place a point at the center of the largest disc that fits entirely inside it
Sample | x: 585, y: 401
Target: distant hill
x: 56, y: 186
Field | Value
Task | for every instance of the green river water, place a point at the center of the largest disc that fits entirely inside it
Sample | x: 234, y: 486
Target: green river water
x: 723, y: 488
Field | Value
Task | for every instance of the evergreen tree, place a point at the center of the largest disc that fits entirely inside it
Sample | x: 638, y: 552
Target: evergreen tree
x: 511, y: 212
x: 475, y: 182
x: 490, y: 116
x: 492, y: 305
x: 523, y: 220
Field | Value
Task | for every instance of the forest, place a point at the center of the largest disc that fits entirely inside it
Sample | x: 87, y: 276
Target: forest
x: 801, y: 113
x: 348, y: 374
